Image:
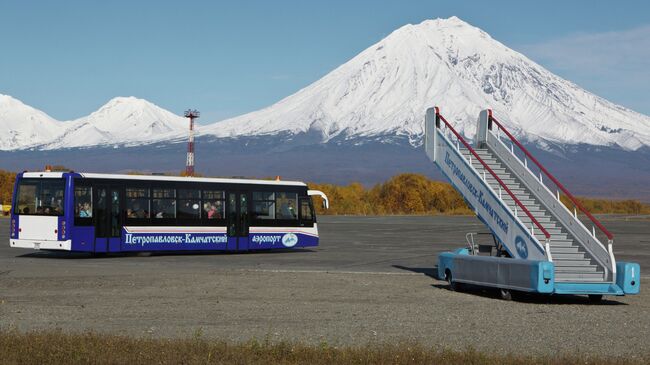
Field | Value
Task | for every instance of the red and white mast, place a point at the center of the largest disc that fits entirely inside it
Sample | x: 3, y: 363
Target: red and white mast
x: 189, y: 164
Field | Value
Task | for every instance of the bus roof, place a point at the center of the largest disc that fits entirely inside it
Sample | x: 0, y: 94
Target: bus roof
x: 165, y: 178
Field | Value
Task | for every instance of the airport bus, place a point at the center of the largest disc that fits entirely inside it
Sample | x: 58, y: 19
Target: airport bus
x: 104, y: 213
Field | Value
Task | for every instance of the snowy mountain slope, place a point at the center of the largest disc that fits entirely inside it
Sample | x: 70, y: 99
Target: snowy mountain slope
x: 24, y: 126
x: 385, y: 90
x: 124, y: 121
x: 378, y: 95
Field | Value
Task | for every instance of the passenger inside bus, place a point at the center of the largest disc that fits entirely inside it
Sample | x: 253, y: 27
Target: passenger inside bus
x: 213, y: 210
x: 136, y: 212
x: 287, y: 210
x: 164, y: 208
x: 85, y: 211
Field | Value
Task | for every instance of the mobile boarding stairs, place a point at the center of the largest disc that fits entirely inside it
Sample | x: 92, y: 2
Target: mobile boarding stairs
x: 539, y: 244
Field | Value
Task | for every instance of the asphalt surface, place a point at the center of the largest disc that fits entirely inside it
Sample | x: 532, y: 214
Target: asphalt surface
x: 371, y: 281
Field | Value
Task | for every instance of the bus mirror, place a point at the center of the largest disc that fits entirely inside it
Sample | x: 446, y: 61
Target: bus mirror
x: 326, y: 202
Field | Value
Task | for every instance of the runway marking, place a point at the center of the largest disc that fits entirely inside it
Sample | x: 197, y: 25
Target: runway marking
x: 329, y: 272
x: 344, y: 272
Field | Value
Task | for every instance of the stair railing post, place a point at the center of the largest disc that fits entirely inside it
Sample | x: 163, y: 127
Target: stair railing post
x: 610, y: 243
x: 484, y: 124
x: 547, y: 246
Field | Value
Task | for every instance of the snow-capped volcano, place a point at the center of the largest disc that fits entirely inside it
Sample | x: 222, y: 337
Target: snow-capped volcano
x: 123, y: 120
x: 380, y: 94
x: 385, y: 90
x: 24, y: 126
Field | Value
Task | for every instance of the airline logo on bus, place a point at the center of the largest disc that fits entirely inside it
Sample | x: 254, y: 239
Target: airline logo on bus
x: 186, y: 238
x: 287, y: 239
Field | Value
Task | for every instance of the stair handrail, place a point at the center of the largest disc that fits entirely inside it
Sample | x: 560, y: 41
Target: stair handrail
x: 557, y: 183
x: 485, y: 165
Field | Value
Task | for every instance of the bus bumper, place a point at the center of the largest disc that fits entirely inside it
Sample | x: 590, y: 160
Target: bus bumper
x: 41, y: 245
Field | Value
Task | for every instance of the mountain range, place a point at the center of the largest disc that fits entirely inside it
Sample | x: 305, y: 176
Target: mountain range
x: 377, y: 99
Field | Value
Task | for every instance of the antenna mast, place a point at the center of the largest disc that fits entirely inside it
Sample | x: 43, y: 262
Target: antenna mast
x: 189, y: 164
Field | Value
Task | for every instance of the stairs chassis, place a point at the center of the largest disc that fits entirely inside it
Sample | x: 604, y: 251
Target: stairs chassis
x: 529, y: 275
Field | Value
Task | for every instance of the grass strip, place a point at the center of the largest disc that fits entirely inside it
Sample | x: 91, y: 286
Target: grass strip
x: 57, y: 347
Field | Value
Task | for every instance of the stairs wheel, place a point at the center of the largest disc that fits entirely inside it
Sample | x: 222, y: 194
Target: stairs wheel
x: 505, y: 294
x: 452, y: 285
x: 595, y: 298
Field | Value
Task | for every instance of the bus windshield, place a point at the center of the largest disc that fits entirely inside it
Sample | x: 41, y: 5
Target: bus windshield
x: 40, y: 197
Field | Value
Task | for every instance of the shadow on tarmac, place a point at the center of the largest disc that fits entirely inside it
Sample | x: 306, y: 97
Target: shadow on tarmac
x: 520, y: 297
x: 529, y: 298
x: 97, y: 255
x: 430, y: 272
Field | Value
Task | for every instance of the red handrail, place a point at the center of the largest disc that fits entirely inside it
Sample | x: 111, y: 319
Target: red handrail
x: 555, y: 181
x: 485, y: 165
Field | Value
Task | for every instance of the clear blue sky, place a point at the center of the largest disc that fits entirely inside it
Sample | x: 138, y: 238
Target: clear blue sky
x: 226, y: 58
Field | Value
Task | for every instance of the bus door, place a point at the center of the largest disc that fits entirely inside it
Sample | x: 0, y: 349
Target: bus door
x: 238, y: 221
x: 108, y: 222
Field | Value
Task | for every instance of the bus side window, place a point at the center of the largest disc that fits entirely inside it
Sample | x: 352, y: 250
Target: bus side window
x: 214, y: 204
x: 306, y: 212
x: 137, y: 203
x: 286, y: 206
x: 263, y: 205
x: 163, y: 204
x: 189, y: 204
x: 83, y: 202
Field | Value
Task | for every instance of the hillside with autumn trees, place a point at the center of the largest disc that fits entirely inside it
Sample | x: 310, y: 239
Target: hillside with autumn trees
x: 404, y: 194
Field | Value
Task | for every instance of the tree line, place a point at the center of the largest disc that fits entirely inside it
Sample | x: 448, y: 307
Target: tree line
x: 404, y: 194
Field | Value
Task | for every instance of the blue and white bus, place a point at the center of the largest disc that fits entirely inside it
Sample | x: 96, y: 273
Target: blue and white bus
x: 104, y: 213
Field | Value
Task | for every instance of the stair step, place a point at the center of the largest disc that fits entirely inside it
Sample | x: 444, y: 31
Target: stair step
x: 494, y: 165
x: 561, y: 242
x: 572, y: 263
x: 483, y: 157
x: 560, y: 245
x: 567, y: 256
x: 561, y: 250
x: 554, y: 237
x: 552, y: 231
x: 542, y: 218
x: 572, y: 269
x: 581, y: 277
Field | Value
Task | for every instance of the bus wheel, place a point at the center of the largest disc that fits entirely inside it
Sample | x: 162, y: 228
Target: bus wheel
x: 595, y: 298
x: 505, y: 294
x: 144, y: 254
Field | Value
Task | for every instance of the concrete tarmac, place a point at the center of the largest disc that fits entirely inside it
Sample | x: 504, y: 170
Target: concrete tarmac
x: 370, y: 281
